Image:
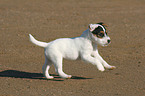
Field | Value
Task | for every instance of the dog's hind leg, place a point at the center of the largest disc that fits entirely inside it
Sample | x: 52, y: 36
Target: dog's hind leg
x: 59, y: 68
x: 46, y: 68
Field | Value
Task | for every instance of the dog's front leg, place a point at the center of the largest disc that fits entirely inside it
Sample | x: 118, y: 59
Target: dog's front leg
x: 95, y: 54
x: 94, y: 61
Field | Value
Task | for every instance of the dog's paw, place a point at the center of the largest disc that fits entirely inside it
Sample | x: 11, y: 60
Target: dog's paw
x: 69, y: 76
x: 102, y: 69
x: 66, y: 76
x: 112, y: 67
x: 50, y: 77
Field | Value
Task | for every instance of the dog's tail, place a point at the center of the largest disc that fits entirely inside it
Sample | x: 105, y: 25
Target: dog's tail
x: 36, y: 42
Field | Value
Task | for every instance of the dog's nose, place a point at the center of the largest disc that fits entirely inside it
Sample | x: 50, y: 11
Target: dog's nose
x: 109, y: 41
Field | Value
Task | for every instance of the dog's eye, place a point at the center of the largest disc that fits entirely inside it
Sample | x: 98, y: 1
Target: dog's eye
x: 100, y: 35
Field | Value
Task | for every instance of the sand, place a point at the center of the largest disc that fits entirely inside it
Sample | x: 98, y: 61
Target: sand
x: 21, y: 61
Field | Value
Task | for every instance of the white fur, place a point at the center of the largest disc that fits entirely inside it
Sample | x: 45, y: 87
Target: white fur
x: 84, y: 47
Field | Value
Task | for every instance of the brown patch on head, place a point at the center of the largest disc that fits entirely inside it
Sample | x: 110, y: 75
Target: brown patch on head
x: 102, y: 32
x: 106, y: 32
x: 105, y: 25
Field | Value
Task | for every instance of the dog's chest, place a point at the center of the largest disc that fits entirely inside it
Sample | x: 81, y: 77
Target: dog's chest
x: 72, y: 54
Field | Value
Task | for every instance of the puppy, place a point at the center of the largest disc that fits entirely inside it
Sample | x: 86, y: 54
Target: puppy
x: 84, y: 47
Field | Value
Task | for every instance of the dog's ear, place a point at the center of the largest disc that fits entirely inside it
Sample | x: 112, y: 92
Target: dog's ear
x: 92, y: 26
x: 101, y: 23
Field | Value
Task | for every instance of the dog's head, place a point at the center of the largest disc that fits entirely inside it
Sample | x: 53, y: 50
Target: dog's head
x: 99, y: 34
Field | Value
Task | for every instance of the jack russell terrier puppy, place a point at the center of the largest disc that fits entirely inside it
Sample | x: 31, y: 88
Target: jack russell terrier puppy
x: 84, y: 47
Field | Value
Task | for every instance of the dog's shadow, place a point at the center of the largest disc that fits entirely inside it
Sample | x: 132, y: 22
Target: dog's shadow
x: 28, y: 75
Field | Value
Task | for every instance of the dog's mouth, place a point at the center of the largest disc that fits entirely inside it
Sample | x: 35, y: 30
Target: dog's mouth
x: 106, y: 44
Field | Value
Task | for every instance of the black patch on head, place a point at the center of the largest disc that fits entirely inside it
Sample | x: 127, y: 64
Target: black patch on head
x: 104, y: 25
x: 101, y: 23
x: 98, y: 32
